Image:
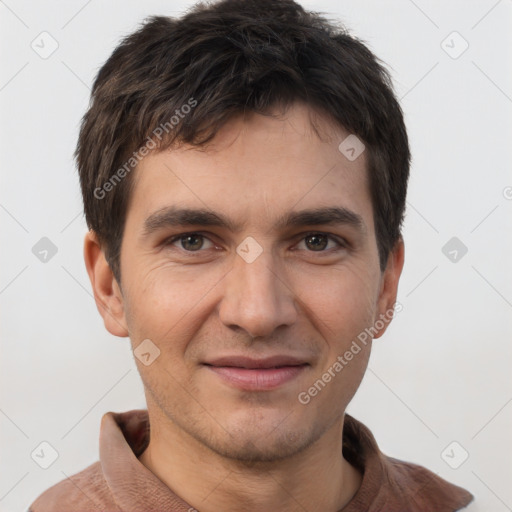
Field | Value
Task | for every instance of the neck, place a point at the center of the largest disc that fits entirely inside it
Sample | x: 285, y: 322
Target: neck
x: 318, y: 478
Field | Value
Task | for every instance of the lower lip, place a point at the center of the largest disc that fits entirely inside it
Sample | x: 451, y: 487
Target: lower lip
x: 257, y: 379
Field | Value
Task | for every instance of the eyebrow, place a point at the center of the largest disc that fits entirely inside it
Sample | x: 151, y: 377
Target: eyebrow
x: 182, y: 217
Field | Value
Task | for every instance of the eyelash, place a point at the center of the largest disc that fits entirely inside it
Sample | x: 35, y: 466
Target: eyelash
x: 342, y: 244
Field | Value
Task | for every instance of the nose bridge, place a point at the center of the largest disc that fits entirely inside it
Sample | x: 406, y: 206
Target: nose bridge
x: 256, y: 298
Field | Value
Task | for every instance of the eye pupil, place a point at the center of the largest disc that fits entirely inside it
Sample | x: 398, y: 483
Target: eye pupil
x: 318, y: 242
x: 193, y: 246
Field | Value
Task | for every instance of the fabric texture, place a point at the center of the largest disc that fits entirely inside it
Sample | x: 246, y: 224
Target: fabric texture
x: 120, y: 482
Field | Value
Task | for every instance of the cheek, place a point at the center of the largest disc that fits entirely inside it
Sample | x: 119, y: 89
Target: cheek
x: 342, y: 299
x: 172, y: 302
x: 343, y: 308
x: 166, y: 302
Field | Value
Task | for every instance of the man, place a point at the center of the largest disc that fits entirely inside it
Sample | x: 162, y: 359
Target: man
x: 244, y: 173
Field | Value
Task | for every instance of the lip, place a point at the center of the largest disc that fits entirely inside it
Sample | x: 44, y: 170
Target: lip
x: 257, y: 374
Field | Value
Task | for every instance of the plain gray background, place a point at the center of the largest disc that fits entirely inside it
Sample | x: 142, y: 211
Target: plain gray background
x: 441, y: 374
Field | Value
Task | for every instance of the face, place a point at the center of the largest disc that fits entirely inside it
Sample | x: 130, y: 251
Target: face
x: 254, y: 296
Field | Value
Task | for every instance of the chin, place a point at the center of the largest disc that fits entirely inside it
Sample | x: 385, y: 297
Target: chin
x: 251, y: 432
x: 252, y: 448
x: 265, y: 436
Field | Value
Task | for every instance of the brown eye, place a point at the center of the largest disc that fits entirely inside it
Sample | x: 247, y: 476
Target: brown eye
x: 317, y: 242
x: 190, y: 242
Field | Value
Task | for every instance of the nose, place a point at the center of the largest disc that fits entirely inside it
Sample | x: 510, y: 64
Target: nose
x: 257, y: 297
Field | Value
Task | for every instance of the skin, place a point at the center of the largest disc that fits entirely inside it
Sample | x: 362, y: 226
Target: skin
x: 217, y: 446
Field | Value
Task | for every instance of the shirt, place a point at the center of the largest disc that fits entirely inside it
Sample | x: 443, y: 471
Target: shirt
x: 120, y: 482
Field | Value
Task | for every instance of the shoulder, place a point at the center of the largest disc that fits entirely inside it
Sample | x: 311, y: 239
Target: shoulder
x: 421, y: 489
x: 84, y: 491
x: 394, y: 485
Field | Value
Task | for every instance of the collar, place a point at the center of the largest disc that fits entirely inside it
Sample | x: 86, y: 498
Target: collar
x: 387, y: 483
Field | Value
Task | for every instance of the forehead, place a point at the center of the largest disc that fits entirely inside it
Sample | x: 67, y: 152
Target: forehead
x: 257, y: 167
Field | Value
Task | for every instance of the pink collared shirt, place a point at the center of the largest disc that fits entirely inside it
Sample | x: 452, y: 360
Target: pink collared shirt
x: 120, y: 482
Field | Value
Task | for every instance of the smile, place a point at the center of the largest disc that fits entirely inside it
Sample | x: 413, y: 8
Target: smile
x: 257, y: 375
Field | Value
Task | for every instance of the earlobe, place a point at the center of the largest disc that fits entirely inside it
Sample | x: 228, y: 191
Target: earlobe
x: 107, y: 293
x: 389, y: 287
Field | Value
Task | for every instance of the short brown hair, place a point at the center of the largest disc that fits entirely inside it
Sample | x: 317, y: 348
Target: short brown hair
x: 223, y: 59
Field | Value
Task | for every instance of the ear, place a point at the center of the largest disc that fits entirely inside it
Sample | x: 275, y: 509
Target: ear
x: 107, y: 293
x: 389, y: 287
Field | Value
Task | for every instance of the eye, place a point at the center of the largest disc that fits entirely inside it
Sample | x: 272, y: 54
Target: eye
x: 318, y: 242
x: 313, y: 242
x: 190, y: 242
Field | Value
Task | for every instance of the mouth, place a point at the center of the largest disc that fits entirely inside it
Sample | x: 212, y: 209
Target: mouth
x: 251, y: 374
